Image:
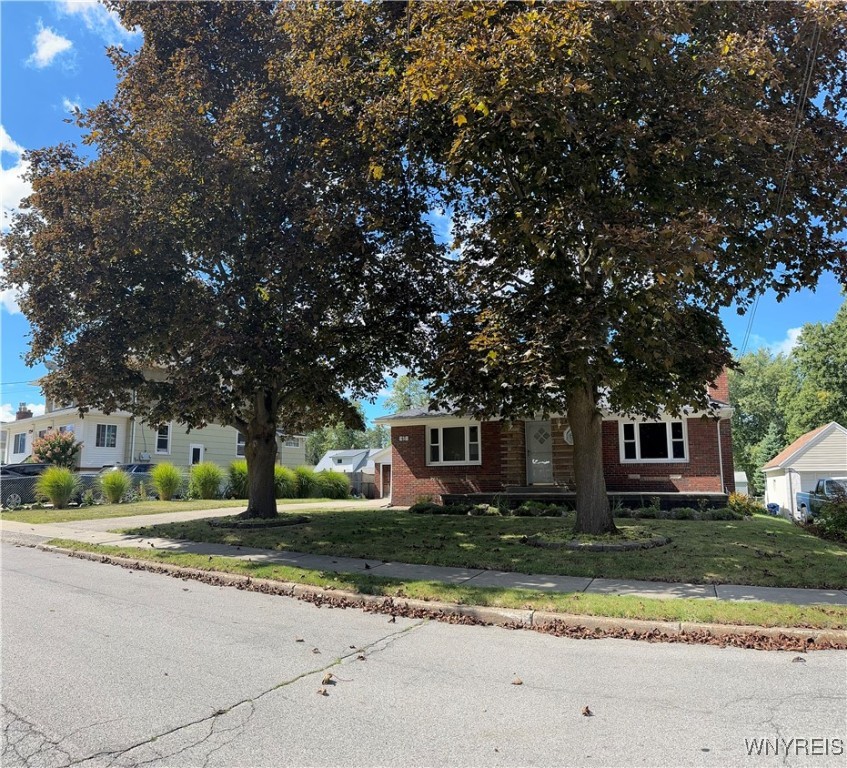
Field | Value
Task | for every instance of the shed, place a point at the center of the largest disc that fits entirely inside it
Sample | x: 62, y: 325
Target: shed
x: 814, y: 456
x: 741, y: 485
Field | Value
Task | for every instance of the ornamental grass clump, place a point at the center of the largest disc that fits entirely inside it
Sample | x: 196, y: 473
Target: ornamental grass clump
x: 332, y: 485
x: 238, y: 479
x: 205, y: 481
x: 167, y: 480
x: 285, y: 483
x: 114, y: 485
x: 58, y: 485
x: 306, y: 483
x: 58, y: 448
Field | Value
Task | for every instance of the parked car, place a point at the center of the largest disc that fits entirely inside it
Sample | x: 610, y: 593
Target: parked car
x: 27, y: 470
x: 131, y: 469
x: 16, y: 488
x: 809, y: 505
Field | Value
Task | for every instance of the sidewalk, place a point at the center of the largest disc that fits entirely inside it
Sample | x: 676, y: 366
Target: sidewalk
x: 97, y: 532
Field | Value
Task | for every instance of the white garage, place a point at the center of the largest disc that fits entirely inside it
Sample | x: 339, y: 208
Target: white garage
x: 814, y: 456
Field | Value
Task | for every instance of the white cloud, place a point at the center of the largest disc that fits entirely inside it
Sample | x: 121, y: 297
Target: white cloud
x: 785, y: 346
x: 71, y: 106
x: 47, y: 45
x: 13, y: 188
x: 8, y: 411
x: 98, y: 19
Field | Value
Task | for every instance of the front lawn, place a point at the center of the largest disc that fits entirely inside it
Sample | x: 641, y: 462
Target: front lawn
x: 695, y: 610
x: 101, y: 511
x: 765, y: 551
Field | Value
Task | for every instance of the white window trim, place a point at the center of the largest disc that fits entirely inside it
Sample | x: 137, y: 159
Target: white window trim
x: 167, y: 452
x: 105, y: 435
x: 238, y: 443
x: 15, y: 437
x: 667, y: 423
x: 452, y: 425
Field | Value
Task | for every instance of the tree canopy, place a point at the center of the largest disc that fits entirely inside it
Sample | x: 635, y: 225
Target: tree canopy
x: 229, y: 254
x: 616, y: 173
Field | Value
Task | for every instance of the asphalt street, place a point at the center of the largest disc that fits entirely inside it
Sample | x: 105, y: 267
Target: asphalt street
x: 104, y: 666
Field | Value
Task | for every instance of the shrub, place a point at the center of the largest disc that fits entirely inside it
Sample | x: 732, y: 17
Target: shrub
x: 87, y: 499
x: 306, y: 483
x: 58, y: 484
x: 684, y: 513
x: 166, y: 479
x: 238, y: 479
x: 332, y: 485
x: 114, y: 485
x: 484, y: 510
x: 832, y: 519
x: 205, y: 480
x: 285, y: 483
x: 57, y: 448
x: 645, y: 513
x: 744, y: 505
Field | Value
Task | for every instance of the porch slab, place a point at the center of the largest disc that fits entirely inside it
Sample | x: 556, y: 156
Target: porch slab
x: 661, y: 590
x: 536, y: 582
x: 423, y: 572
x: 781, y: 595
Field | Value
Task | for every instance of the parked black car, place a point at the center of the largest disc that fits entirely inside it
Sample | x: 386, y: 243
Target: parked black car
x: 27, y: 470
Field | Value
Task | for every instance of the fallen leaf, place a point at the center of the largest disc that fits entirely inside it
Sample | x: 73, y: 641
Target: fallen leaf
x: 361, y: 657
x: 327, y: 679
x: 587, y: 712
x: 517, y: 681
x: 392, y: 620
x: 315, y: 650
x: 299, y: 640
x: 798, y: 659
x: 323, y: 692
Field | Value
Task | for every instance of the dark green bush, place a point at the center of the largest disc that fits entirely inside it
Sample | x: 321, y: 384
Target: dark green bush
x: 332, y: 485
x: 286, y: 484
x: 650, y: 513
x: 832, y: 519
x: 683, y: 513
x: 431, y: 508
x: 483, y: 510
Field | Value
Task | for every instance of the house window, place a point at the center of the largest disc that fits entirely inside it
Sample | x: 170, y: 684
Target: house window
x: 292, y: 442
x: 163, y: 439
x: 67, y: 428
x: 19, y: 443
x: 107, y: 436
x: 241, y: 444
x: 654, y: 441
x: 454, y: 445
x: 41, y: 433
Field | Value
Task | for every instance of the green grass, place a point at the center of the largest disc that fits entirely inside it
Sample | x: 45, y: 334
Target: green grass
x: 765, y: 551
x: 713, y: 611
x: 102, y: 511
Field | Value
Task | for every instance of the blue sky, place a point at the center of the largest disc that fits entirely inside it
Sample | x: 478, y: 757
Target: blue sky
x: 53, y: 57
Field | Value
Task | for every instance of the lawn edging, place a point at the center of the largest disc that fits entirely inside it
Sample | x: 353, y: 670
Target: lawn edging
x: 560, y: 624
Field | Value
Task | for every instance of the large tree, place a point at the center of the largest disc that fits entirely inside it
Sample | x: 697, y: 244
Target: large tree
x: 616, y: 173
x: 228, y: 254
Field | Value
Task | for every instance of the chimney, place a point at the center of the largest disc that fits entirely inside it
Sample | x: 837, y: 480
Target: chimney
x: 23, y: 412
x: 719, y: 388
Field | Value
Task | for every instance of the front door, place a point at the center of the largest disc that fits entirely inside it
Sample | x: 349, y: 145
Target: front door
x: 195, y: 454
x: 539, y: 453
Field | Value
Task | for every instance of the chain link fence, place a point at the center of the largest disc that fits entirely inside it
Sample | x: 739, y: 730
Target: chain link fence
x: 17, y: 491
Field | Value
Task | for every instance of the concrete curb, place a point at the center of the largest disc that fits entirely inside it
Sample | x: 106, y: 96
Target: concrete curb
x: 472, y: 614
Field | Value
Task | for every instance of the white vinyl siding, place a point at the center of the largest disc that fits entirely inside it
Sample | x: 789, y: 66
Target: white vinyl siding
x: 829, y: 454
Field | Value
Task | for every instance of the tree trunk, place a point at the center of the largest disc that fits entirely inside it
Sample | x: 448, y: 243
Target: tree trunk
x: 260, y: 452
x: 593, y: 515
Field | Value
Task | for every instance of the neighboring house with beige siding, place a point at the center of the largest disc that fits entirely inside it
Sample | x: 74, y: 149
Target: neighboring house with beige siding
x: 118, y: 438
x: 817, y: 455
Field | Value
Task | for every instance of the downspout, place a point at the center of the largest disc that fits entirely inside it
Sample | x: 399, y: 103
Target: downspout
x: 720, y: 457
x: 132, y: 432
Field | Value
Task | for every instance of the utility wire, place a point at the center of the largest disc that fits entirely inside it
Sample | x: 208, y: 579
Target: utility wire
x: 795, y: 132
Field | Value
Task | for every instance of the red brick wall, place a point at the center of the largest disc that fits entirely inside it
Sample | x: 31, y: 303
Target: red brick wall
x: 701, y: 473
x: 719, y: 390
x: 413, y: 479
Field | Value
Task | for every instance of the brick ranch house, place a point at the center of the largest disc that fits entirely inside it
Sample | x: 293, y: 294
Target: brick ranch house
x: 680, y: 459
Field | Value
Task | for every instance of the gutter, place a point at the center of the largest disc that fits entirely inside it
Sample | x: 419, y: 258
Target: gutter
x: 720, y: 456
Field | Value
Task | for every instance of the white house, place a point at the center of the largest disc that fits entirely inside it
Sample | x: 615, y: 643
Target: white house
x: 356, y: 463
x: 118, y: 438
x: 814, y: 456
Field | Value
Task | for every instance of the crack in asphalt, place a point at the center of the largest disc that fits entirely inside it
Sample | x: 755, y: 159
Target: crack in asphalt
x: 115, y: 756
